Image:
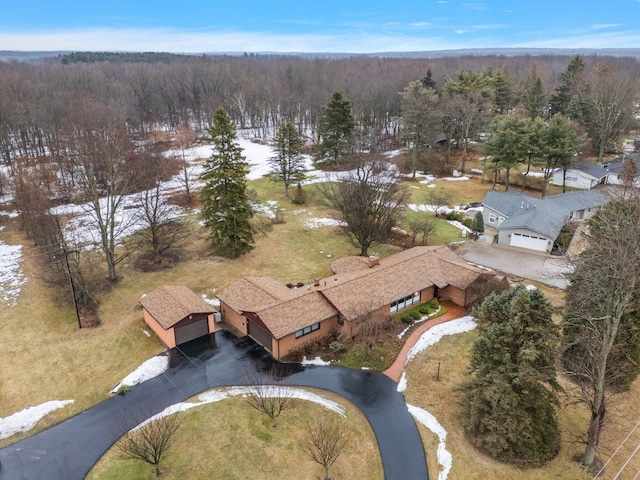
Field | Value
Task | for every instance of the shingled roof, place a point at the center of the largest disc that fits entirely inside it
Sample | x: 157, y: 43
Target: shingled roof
x: 354, y: 290
x: 363, y: 290
x: 169, y: 304
x: 546, y: 215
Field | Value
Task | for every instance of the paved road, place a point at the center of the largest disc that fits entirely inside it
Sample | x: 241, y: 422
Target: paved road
x: 69, y: 450
x: 541, y: 268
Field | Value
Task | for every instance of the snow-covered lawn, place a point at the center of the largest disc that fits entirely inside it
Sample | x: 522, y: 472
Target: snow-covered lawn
x: 28, y: 418
x: 11, y: 276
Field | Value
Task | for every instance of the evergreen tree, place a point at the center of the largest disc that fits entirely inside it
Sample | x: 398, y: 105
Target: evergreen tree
x: 287, y: 166
x: 508, y: 405
x: 225, y: 206
x: 501, y: 90
x: 533, y: 97
x: 510, y: 142
x: 428, y: 82
x: 565, y: 97
x: 336, y: 128
x: 478, y: 223
x: 559, y: 143
x: 419, y: 123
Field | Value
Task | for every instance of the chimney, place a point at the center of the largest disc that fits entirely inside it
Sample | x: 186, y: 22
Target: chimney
x: 374, y: 260
x: 316, y: 282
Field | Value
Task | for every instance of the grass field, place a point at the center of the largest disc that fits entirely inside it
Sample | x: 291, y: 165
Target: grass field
x: 230, y: 440
x: 45, y: 357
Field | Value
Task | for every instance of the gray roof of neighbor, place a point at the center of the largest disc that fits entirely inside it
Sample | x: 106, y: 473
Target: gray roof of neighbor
x: 591, y: 168
x: 169, y: 304
x: 545, y: 215
x: 615, y: 165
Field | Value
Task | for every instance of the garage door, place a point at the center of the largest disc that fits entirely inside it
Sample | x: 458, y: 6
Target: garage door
x: 259, y: 335
x: 191, y: 331
x: 528, y: 241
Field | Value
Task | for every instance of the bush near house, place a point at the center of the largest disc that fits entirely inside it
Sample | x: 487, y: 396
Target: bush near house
x: 416, y: 313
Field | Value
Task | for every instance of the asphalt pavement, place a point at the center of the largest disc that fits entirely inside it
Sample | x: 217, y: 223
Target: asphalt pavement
x: 69, y: 450
x: 546, y: 269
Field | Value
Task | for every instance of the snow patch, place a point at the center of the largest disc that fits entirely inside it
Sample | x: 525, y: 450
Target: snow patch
x: 151, y: 368
x: 460, y: 225
x: 402, y: 384
x: 11, y: 276
x: 445, y: 458
x: 28, y: 418
x: 324, y: 222
x: 455, y: 179
x: 215, y: 302
x: 213, y: 396
x: 314, y: 361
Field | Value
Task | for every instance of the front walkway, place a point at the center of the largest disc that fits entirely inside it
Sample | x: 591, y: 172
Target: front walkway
x: 394, y: 372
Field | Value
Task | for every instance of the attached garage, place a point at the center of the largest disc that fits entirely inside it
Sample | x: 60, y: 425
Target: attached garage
x: 528, y: 241
x: 257, y: 330
x: 177, y: 315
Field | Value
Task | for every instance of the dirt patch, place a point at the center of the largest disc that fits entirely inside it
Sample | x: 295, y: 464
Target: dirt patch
x: 147, y: 262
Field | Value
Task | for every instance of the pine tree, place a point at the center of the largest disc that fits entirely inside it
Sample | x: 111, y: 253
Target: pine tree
x: 533, y: 97
x: 565, y: 96
x: 287, y: 166
x: 508, y: 406
x: 336, y: 128
x: 225, y: 206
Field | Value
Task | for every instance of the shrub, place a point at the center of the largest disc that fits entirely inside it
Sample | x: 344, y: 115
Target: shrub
x: 455, y: 216
x: 336, y: 347
x: 406, y: 318
x: 123, y: 389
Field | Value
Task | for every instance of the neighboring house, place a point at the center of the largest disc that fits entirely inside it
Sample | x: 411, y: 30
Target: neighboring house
x: 614, y: 169
x: 283, y: 319
x: 177, y: 315
x: 534, y: 223
x: 582, y: 175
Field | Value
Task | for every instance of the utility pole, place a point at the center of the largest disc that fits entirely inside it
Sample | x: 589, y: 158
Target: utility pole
x: 65, y: 252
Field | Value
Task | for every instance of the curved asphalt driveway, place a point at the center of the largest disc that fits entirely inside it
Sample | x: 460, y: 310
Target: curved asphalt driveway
x: 69, y: 450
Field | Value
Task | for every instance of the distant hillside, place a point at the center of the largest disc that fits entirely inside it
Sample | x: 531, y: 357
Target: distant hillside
x: 152, y: 57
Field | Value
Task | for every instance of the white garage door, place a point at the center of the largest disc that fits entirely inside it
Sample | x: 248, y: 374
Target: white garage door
x: 528, y: 241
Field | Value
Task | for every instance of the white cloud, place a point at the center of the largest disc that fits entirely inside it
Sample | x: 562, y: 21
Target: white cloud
x: 363, y: 38
x: 603, y: 26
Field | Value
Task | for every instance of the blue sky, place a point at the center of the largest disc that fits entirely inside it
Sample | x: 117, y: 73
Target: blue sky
x: 354, y: 26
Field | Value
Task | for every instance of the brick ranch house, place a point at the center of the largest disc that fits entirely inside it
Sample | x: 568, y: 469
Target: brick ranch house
x: 283, y: 319
x: 177, y: 315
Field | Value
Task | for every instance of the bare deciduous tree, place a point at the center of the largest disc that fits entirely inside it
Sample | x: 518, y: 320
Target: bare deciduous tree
x: 184, y: 139
x: 603, y: 292
x: 326, y: 438
x: 150, y: 440
x: 164, y: 227
x: 438, y: 200
x: 370, y: 201
x: 270, y: 395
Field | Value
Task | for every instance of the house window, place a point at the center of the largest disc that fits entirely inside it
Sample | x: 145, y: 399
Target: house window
x: 571, y: 179
x: 307, y: 330
x: 405, y: 302
x: 492, y: 218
